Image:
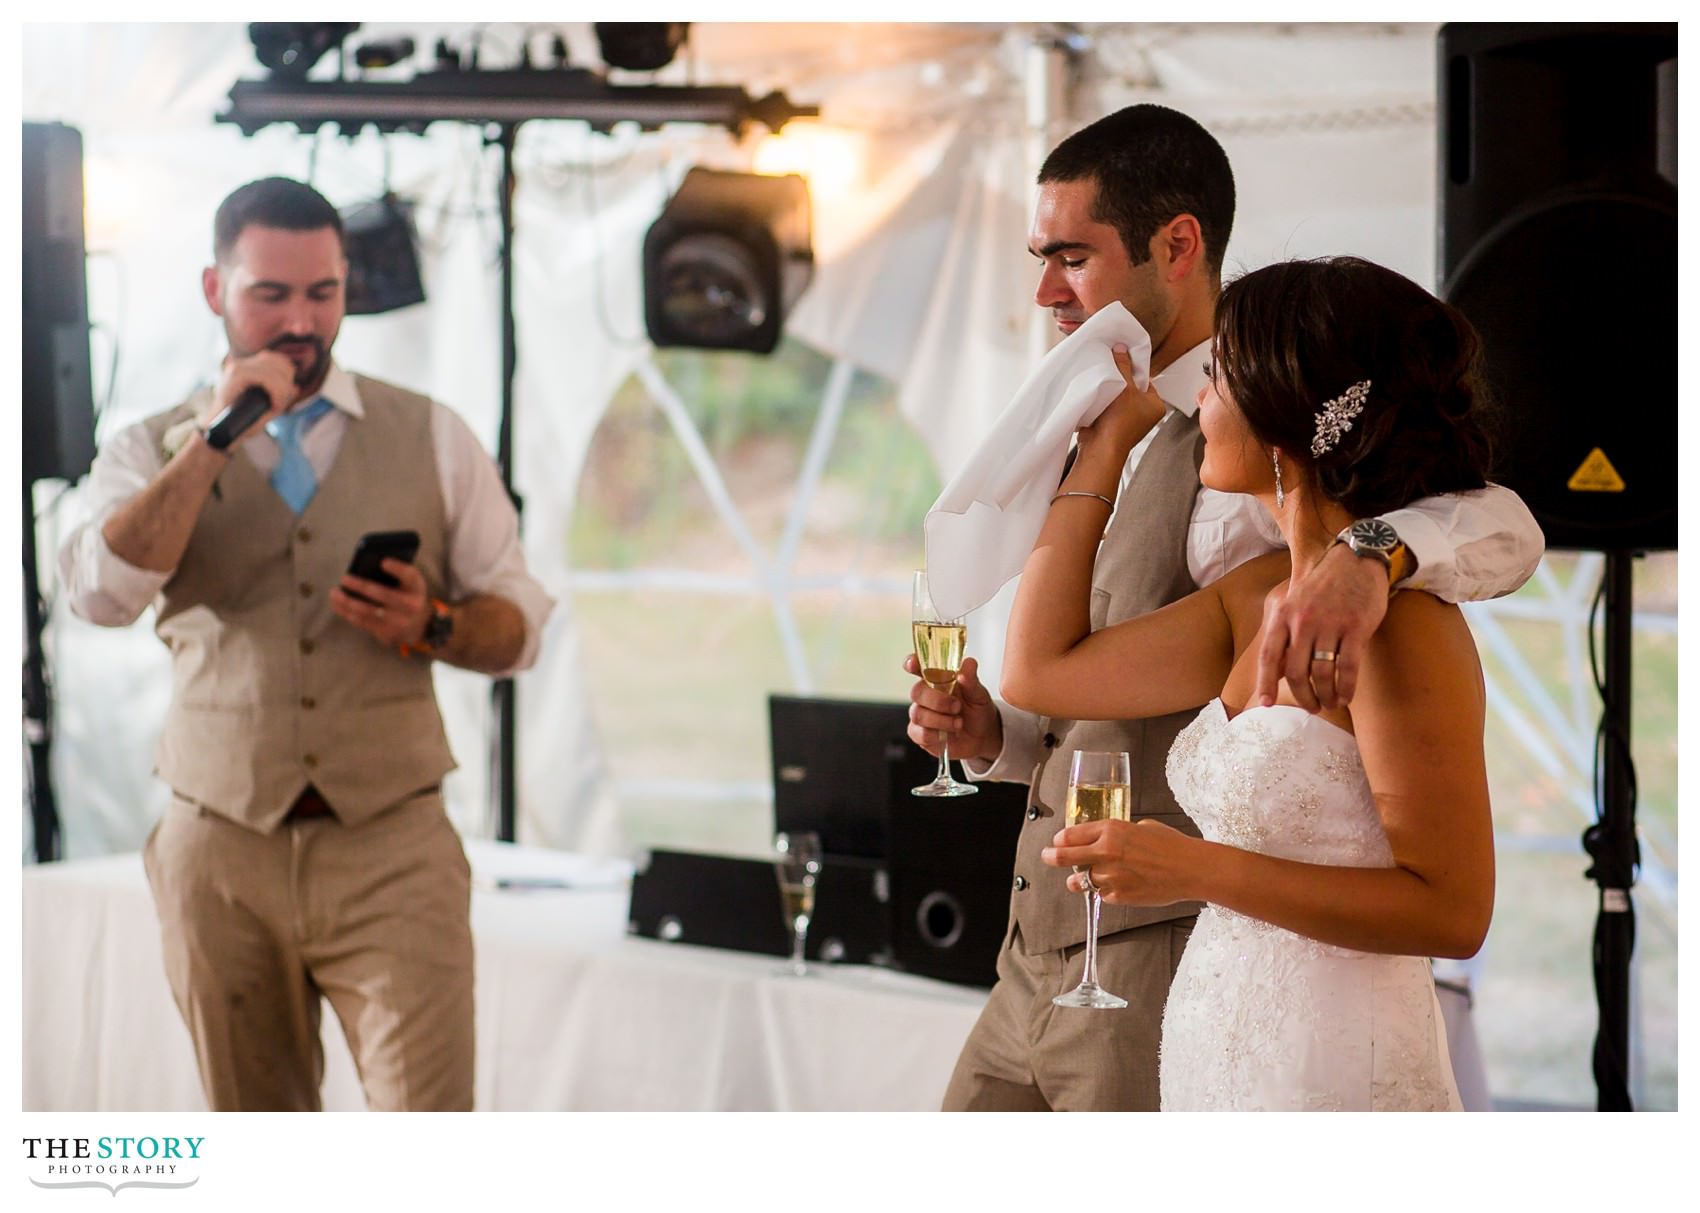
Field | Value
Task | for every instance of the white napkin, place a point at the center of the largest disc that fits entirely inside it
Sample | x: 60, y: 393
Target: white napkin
x: 981, y: 529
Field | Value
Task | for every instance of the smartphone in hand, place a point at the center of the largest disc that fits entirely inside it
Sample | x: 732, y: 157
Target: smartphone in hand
x: 374, y: 548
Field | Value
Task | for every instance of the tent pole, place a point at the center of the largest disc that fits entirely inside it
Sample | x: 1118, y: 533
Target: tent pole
x: 1048, y: 70
x: 502, y: 690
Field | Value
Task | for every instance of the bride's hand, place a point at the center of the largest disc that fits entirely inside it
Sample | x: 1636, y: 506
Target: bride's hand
x: 1127, y: 418
x: 1134, y: 863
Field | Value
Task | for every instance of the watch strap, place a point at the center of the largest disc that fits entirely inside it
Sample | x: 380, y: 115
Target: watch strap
x: 439, y: 627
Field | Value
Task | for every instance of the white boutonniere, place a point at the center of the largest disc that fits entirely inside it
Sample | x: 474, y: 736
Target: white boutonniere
x: 177, y: 437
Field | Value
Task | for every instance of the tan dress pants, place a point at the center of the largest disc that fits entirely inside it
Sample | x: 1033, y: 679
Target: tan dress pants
x: 375, y: 918
x: 1025, y: 1054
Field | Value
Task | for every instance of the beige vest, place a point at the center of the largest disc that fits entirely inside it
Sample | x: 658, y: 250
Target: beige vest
x: 1141, y: 566
x: 271, y: 689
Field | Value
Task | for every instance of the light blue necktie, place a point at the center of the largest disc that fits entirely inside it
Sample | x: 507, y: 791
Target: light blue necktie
x: 293, y: 476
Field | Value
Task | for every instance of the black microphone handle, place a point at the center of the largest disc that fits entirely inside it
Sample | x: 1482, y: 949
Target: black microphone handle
x: 231, y: 424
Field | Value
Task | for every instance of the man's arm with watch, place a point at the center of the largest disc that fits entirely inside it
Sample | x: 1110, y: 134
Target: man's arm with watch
x: 1463, y: 547
x: 483, y: 632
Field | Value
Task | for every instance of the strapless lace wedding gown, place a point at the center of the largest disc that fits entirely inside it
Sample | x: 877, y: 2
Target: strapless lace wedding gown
x: 1259, y: 1018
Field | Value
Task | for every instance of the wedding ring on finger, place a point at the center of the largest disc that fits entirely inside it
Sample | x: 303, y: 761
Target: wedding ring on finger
x: 1323, y: 655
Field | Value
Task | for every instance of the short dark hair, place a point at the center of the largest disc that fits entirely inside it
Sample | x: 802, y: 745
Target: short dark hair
x: 1151, y: 163
x: 272, y: 202
x: 1294, y: 335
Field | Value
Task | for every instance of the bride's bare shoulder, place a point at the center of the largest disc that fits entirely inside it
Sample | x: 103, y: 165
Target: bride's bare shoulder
x: 1257, y: 576
x: 1244, y: 588
x: 1422, y: 640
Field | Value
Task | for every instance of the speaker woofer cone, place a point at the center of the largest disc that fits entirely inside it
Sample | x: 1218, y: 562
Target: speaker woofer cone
x: 940, y: 919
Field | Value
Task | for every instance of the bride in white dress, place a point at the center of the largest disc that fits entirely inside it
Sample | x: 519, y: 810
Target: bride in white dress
x: 1341, y: 848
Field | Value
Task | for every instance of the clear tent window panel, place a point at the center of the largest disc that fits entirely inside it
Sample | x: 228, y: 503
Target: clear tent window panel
x: 744, y: 526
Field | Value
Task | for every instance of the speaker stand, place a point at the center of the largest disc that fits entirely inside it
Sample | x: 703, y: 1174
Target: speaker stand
x: 1612, y: 845
x: 502, y: 691
x: 38, y: 698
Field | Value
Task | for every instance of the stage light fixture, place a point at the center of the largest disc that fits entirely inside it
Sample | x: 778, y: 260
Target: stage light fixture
x: 384, y: 53
x: 640, y: 46
x: 289, y: 49
x: 383, y: 258
x: 725, y: 261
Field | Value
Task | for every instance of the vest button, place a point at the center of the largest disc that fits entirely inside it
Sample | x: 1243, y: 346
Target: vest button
x: 1050, y: 741
x: 306, y: 590
x: 1020, y: 883
x: 306, y: 646
x: 304, y: 535
x: 309, y: 703
x: 1032, y: 812
x: 309, y: 761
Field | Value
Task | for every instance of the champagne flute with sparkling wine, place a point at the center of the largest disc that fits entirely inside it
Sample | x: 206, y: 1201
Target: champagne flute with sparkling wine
x: 1097, y: 791
x: 796, y: 861
x: 938, y: 652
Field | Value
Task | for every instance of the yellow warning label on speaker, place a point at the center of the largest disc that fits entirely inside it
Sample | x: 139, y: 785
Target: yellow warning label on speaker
x: 1596, y: 475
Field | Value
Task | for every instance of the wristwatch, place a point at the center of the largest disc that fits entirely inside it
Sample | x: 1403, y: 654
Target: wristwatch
x: 439, y: 629
x: 440, y: 626
x: 1375, y: 537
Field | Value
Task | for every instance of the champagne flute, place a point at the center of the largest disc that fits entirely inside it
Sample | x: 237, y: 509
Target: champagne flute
x: 938, y: 652
x: 797, y: 862
x: 1097, y: 791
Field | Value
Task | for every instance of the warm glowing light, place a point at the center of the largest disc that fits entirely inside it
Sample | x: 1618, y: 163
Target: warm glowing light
x: 114, y: 202
x: 829, y: 158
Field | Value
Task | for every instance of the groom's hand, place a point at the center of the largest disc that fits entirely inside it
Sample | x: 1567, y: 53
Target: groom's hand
x: 969, y: 717
x: 1334, y: 609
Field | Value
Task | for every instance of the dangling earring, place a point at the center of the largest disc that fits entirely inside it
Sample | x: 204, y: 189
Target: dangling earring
x: 1280, y: 495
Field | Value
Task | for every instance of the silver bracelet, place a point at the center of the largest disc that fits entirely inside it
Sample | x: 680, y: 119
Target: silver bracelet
x: 1072, y: 493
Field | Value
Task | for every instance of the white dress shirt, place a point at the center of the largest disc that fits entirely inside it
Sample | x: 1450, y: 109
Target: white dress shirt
x: 1469, y: 547
x: 483, y: 551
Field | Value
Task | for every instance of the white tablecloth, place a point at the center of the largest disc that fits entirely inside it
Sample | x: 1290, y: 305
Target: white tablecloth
x: 572, y: 1014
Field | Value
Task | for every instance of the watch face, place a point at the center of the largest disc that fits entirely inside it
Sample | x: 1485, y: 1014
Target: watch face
x: 439, y: 628
x: 1375, y: 535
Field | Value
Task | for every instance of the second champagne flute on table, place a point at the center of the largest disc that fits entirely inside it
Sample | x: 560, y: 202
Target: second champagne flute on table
x: 797, y: 862
x: 939, y: 645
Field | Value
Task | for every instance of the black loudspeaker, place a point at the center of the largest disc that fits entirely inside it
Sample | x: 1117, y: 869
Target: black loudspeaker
x: 952, y: 860
x: 726, y: 260
x: 383, y: 257
x: 1558, y: 240
x: 844, y: 769
x: 725, y: 901
x: 58, y: 396
x: 829, y: 759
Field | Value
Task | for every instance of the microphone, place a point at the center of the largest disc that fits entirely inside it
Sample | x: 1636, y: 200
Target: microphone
x: 231, y: 424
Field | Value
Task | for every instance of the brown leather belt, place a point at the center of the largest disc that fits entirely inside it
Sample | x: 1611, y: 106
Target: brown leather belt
x: 309, y: 804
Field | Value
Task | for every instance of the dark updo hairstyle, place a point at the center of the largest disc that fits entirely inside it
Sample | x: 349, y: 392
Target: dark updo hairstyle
x: 1294, y: 335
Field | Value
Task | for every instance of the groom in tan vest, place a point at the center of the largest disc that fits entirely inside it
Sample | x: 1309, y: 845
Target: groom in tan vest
x: 306, y: 853
x: 1137, y: 207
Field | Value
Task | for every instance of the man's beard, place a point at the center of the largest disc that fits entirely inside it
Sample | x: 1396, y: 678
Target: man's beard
x: 314, y: 372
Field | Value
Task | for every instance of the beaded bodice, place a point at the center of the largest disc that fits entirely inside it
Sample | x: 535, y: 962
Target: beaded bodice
x: 1279, y: 781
